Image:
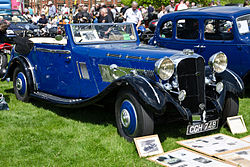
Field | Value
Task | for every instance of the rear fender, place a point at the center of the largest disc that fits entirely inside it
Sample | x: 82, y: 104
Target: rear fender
x: 24, y: 63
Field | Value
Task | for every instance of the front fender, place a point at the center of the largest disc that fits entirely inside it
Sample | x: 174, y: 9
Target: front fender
x: 150, y: 94
x: 232, y: 82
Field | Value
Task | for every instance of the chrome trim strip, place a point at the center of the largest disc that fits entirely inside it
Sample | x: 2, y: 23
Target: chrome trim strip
x: 152, y: 59
x: 133, y: 57
x: 114, y: 55
x: 78, y: 70
x: 84, y: 70
x: 235, y: 79
x: 156, y: 95
x: 53, y: 51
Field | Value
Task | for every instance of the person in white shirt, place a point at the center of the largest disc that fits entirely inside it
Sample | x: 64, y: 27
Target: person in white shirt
x: 162, y: 11
x: 182, y: 5
x: 133, y: 15
x: 65, y: 9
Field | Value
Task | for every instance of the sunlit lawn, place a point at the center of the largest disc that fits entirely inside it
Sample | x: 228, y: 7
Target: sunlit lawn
x: 40, y: 134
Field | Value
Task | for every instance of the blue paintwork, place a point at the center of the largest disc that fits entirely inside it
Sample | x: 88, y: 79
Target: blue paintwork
x: 237, y: 50
x: 51, y: 76
x: 22, y: 77
x: 57, y: 76
x: 133, y: 118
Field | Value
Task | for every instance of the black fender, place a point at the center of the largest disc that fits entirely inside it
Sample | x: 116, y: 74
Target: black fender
x: 22, y: 62
x: 150, y: 94
x: 232, y: 82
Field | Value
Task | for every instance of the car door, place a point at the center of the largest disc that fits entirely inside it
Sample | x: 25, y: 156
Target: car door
x: 186, y: 34
x: 55, y: 69
x: 219, y: 35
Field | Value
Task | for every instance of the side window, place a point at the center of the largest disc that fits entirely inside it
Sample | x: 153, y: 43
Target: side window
x: 166, y: 30
x: 187, y: 29
x: 218, y: 29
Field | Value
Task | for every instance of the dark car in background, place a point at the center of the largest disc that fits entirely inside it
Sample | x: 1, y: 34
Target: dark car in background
x: 19, y: 25
x: 207, y: 31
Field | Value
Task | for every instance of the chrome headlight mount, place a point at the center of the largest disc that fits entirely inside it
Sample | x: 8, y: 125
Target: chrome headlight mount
x: 164, y: 68
x: 218, y: 62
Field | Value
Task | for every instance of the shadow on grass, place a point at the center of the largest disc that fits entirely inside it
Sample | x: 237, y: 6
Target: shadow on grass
x: 247, y: 93
x: 94, y: 114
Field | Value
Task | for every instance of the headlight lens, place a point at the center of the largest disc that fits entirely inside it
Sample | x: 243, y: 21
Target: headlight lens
x: 218, y: 62
x: 164, y: 68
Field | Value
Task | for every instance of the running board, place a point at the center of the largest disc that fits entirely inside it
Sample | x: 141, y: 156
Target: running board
x: 56, y: 99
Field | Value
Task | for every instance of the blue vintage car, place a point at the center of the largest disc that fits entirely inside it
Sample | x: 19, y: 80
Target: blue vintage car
x: 105, y: 63
x: 208, y: 31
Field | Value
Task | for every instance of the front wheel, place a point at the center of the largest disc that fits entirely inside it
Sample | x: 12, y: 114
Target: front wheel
x: 131, y: 118
x: 20, y: 85
x: 231, y: 107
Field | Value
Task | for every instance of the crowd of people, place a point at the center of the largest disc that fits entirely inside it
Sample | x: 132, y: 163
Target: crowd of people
x: 100, y: 13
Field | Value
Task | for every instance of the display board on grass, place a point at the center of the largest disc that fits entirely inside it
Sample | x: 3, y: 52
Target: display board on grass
x: 182, y: 157
x: 240, y: 157
x: 148, y: 145
x: 236, y: 124
x: 214, y: 145
x: 247, y: 138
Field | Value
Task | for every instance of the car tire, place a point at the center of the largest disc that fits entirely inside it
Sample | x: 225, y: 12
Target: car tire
x: 3, y: 61
x: 231, y: 107
x: 20, y: 85
x: 131, y: 118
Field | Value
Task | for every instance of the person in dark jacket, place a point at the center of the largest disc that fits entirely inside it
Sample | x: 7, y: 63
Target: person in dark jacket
x: 3, y: 28
x: 43, y: 21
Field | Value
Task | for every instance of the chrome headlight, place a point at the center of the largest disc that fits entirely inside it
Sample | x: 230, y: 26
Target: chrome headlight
x: 218, y: 62
x: 164, y: 68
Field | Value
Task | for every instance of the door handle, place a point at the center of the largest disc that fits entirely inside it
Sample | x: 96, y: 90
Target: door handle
x: 197, y: 46
x: 202, y: 46
x: 68, y: 58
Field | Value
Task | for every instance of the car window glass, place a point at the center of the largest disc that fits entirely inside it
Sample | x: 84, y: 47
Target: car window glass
x: 187, y: 29
x: 166, y: 30
x: 101, y: 33
x: 218, y: 29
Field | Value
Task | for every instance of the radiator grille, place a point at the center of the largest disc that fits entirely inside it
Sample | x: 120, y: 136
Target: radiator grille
x: 191, y: 78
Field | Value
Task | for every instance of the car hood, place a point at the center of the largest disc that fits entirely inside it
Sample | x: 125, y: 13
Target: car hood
x: 132, y: 49
x: 22, y: 26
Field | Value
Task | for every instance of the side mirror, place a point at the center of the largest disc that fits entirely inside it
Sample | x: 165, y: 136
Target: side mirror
x: 59, y: 37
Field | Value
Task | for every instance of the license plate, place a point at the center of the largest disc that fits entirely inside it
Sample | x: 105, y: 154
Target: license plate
x: 203, y: 127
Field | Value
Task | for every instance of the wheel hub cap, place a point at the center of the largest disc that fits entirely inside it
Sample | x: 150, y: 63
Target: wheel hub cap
x: 19, y: 84
x: 125, y: 118
x: 128, y: 117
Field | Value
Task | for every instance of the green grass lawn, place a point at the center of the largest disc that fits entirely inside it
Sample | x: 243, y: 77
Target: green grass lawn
x: 40, y: 134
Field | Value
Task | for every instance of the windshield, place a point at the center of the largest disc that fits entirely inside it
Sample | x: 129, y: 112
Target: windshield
x: 102, y: 33
x: 13, y: 19
x: 12, y: 16
x: 243, y: 24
